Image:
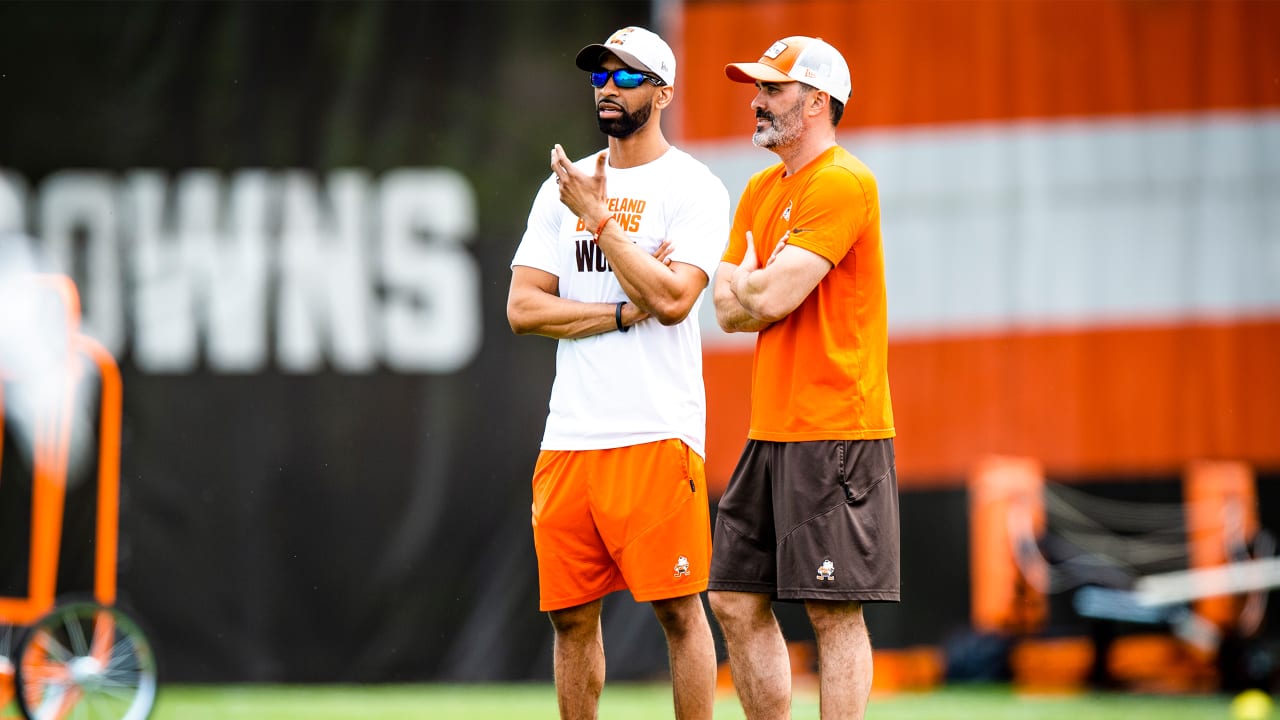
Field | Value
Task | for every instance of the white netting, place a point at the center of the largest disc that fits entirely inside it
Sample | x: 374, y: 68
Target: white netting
x: 1095, y: 540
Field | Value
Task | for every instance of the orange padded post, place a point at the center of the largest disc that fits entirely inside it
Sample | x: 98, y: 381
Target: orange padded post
x: 1222, y: 515
x: 1006, y: 507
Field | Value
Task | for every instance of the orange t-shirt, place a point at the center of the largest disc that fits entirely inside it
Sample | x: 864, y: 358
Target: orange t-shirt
x: 821, y: 373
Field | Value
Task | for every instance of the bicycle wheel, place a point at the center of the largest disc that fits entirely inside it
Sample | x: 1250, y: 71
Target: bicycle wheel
x: 85, y: 661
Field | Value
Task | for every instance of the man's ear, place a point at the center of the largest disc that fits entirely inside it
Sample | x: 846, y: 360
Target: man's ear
x: 818, y: 101
x: 663, y: 97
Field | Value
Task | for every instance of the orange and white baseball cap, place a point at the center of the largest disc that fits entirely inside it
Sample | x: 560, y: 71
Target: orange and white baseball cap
x: 798, y: 58
x: 640, y: 49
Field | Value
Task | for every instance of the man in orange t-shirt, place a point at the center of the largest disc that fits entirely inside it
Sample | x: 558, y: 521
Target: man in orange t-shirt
x: 811, y: 511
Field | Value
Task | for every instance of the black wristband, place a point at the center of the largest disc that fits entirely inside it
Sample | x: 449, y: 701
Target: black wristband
x: 617, y: 317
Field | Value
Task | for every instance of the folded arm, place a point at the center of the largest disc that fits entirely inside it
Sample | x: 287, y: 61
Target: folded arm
x: 534, y: 307
x: 730, y: 313
x: 749, y: 298
x: 664, y: 290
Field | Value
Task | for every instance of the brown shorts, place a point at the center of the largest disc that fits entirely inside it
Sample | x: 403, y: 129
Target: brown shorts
x: 634, y: 517
x: 811, y: 520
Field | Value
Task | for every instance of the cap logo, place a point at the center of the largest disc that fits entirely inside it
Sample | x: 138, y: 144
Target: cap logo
x: 620, y: 37
x: 775, y: 50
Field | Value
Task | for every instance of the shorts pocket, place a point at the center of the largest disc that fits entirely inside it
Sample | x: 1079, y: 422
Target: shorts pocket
x: 686, y: 463
x: 863, y: 465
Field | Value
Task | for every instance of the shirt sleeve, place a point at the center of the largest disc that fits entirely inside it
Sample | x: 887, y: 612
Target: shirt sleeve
x: 701, y: 224
x: 537, y: 245
x: 833, y: 211
x: 736, y: 250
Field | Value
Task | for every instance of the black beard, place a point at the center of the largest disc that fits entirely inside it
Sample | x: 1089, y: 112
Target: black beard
x: 624, y: 126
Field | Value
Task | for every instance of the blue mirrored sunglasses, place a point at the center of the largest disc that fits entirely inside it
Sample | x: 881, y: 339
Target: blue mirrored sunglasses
x: 623, y: 78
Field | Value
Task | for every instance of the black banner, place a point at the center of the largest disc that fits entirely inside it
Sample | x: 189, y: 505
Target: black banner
x: 291, y: 223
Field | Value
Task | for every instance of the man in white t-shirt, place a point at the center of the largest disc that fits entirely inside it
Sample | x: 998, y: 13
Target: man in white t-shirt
x: 619, y: 248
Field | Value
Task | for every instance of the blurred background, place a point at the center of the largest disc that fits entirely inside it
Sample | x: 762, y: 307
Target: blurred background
x: 291, y: 223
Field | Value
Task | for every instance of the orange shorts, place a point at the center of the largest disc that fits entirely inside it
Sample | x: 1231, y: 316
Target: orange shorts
x: 633, y: 517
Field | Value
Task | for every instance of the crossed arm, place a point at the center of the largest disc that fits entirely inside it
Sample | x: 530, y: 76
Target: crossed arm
x: 750, y: 298
x: 655, y: 286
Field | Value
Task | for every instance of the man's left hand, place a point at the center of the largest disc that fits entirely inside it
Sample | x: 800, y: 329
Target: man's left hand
x: 583, y: 194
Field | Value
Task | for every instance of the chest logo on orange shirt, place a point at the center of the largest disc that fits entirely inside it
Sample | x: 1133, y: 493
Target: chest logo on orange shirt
x: 786, y: 214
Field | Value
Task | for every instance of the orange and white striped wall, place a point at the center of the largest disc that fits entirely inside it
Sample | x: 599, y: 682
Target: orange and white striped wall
x: 1081, y: 213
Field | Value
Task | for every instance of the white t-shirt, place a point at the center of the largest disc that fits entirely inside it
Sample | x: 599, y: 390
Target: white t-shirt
x: 617, y: 389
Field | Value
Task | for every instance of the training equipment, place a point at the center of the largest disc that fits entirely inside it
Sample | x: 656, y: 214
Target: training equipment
x: 1196, y: 571
x: 1186, y: 585
x: 1251, y: 705
x: 83, y: 657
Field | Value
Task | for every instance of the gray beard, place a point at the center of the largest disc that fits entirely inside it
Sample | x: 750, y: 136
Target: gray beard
x: 775, y: 136
x: 780, y: 133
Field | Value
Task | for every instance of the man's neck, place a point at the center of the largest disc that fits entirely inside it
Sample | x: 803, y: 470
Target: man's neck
x: 641, y: 147
x: 804, y: 151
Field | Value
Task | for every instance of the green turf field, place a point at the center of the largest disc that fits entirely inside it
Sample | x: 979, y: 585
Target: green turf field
x: 639, y: 702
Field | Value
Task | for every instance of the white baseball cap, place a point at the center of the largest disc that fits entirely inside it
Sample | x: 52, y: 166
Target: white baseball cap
x: 639, y: 48
x: 799, y: 58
